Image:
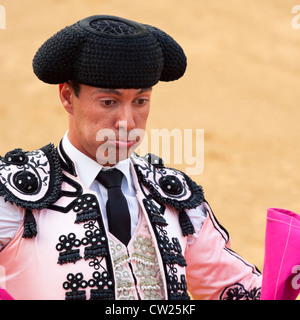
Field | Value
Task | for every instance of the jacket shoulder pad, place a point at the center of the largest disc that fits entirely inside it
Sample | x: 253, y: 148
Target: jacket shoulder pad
x: 32, y: 179
x: 167, y: 185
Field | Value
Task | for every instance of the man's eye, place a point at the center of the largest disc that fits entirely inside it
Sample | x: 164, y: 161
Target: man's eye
x: 108, y: 102
x: 141, y: 102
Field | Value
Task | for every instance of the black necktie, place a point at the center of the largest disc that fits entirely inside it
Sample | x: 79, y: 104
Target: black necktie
x: 116, y: 207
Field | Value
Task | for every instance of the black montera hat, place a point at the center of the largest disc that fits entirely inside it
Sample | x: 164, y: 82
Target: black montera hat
x: 110, y: 52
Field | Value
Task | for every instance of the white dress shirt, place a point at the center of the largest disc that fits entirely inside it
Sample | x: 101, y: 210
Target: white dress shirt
x: 88, y: 170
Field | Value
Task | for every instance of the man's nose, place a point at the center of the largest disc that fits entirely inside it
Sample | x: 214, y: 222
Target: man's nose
x: 125, y: 118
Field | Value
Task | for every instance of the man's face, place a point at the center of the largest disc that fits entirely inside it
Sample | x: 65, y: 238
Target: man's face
x: 104, y: 123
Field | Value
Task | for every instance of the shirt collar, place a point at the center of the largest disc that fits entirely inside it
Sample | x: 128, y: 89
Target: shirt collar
x: 88, y: 169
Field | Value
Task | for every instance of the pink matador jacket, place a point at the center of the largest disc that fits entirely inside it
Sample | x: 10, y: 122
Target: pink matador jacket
x: 64, y: 251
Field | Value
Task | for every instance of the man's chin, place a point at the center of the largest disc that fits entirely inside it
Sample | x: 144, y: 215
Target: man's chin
x: 112, y: 157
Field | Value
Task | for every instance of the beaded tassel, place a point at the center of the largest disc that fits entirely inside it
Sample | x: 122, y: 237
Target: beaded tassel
x: 30, y: 228
x: 185, y: 223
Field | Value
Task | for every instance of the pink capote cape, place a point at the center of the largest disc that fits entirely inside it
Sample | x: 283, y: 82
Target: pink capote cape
x: 4, y: 295
x: 281, y: 270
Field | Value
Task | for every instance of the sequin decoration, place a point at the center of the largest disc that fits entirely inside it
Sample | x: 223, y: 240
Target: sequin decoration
x: 145, y: 265
x: 137, y: 270
x: 124, y: 278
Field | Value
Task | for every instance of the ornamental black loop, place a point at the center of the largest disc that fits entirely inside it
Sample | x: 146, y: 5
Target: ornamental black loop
x: 90, y: 225
x: 26, y: 181
x: 74, y: 283
x: 176, y: 245
x: 176, y: 289
x: 67, y: 242
x: 171, y: 185
x: 98, y: 244
x: 155, y: 160
x: 93, y: 237
x: 96, y: 263
x: 17, y: 156
x: 104, y: 284
x: 65, y: 247
x: 155, y: 213
x: 101, y: 280
x: 85, y: 202
x: 86, y: 207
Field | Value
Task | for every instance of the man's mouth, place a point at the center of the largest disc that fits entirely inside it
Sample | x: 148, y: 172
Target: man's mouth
x: 122, y: 143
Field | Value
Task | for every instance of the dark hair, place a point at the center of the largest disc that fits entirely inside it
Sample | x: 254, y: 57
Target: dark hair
x: 76, y: 87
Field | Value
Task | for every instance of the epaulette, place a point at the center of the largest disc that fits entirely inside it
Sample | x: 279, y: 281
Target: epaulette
x: 169, y: 186
x: 30, y: 180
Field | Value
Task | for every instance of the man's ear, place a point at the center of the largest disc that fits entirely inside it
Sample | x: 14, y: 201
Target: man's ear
x: 66, y: 94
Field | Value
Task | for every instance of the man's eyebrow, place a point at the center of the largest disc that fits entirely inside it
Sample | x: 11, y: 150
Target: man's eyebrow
x: 108, y: 91
x: 144, y: 90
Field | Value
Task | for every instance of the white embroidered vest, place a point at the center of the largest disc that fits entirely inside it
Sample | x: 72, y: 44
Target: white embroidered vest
x: 137, y: 271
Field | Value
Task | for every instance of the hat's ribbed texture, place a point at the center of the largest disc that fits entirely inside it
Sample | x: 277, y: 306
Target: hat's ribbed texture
x: 110, y: 52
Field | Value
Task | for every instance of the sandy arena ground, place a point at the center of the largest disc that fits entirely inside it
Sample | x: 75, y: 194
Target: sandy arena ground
x: 241, y: 87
